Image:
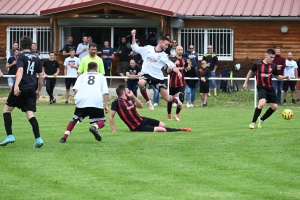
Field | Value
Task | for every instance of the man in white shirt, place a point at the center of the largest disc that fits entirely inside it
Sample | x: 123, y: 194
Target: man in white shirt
x: 291, y: 70
x: 71, y: 66
x: 154, y: 59
x: 83, y: 48
x: 91, y: 89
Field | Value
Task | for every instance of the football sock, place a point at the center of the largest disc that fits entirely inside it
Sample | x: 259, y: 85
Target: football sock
x: 99, y: 124
x: 7, y: 123
x: 174, y: 99
x: 172, y: 129
x: 144, y: 93
x: 268, y: 113
x: 35, y: 127
x: 70, y: 126
x: 178, y: 110
x: 256, y: 114
x: 169, y: 108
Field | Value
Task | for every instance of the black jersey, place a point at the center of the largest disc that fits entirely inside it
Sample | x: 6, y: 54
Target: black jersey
x: 31, y: 65
x: 127, y: 112
x: 263, y: 73
x: 175, y: 81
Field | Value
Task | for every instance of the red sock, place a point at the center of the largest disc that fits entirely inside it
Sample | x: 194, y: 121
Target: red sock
x: 144, y: 94
x: 100, y: 124
x: 70, y: 126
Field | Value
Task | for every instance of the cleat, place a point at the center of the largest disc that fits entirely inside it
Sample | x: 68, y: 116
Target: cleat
x: 260, y: 123
x: 155, y: 104
x: 150, y: 106
x: 204, y: 105
x: 176, y: 116
x: 284, y: 102
x: 66, y: 102
x: 95, y: 133
x: 179, y: 104
x: 186, y: 129
x: 38, y: 143
x: 53, y: 100
x: 9, y: 139
x: 169, y: 117
x: 63, y: 140
x: 251, y: 126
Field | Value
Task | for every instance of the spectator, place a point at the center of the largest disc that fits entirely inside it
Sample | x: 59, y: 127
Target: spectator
x: 12, y: 68
x: 133, y: 72
x: 291, y: 70
x: 107, y: 56
x: 280, y: 62
x: 51, y: 68
x: 68, y: 46
x: 136, y: 56
x: 173, y: 49
x: 298, y: 82
x: 191, y: 85
x: 168, y: 50
x: 177, y: 85
x: 203, y: 74
x: 82, y: 49
x: 90, y: 39
x: 152, y: 40
x: 71, y: 65
x: 125, y: 106
x: 155, y: 95
x: 10, y: 53
x: 91, y: 57
x: 212, y: 61
x: 35, y: 50
x: 123, y: 52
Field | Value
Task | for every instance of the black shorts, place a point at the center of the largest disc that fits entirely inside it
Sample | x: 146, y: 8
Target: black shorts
x: 173, y: 91
x: 69, y: 82
x: 153, y: 81
x: 268, y: 94
x: 26, y: 101
x: 287, y: 84
x: 204, y: 88
x: 95, y: 114
x: 147, y: 125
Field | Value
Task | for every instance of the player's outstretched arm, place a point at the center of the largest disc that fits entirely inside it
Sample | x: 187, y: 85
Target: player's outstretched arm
x: 111, y: 121
x: 250, y: 73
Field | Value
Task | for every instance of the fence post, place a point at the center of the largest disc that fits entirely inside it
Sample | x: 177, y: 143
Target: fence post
x: 255, y: 92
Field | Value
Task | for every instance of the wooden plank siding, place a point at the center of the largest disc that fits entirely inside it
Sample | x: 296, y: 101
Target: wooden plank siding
x: 252, y: 38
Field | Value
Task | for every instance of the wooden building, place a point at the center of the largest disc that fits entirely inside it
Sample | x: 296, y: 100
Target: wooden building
x: 239, y: 30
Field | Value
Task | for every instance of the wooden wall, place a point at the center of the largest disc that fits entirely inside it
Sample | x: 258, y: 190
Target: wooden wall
x: 253, y: 38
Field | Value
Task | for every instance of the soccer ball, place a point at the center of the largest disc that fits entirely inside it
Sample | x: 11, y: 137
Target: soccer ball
x: 287, y: 114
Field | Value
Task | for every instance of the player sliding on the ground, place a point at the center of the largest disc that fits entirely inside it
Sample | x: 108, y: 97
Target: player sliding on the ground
x: 125, y: 107
x: 154, y: 59
x: 91, y: 88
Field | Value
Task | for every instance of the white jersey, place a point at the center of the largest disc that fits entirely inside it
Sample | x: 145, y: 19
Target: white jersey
x: 152, y: 61
x: 75, y: 61
x: 91, y: 87
x: 289, y: 69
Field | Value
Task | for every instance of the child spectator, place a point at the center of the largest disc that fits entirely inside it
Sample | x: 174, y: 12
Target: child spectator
x: 204, y: 73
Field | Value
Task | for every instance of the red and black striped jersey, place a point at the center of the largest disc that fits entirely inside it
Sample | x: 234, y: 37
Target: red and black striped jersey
x: 127, y: 112
x: 263, y: 73
x: 175, y: 81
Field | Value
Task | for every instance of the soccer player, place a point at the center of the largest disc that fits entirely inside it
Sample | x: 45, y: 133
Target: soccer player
x: 91, y: 88
x: 266, y: 93
x: 154, y: 59
x: 23, y: 94
x: 71, y: 65
x: 177, y: 85
x: 125, y: 105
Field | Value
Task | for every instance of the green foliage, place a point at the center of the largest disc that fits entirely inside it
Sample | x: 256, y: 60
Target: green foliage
x: 220, y: 159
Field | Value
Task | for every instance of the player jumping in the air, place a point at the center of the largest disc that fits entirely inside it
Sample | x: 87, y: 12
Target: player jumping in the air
x: 154, y: 59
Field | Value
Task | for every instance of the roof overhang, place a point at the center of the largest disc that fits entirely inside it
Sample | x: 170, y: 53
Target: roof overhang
x: 113, y: 2
x: 238, y: 18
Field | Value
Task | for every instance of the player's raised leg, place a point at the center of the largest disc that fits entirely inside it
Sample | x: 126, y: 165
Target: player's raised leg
x: 8, y: 126
x: 169, y: 98
x: 142, y: 85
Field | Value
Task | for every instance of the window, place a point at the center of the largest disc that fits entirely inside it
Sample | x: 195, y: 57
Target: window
x: 39, y: 34
x: 220, y: 38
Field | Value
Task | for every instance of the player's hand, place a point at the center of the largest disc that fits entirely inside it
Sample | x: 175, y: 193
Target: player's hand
x: 15, y: 62
x: 245, y: 86
x: 106, y: 109
x: 1, y: 74
x: 133, y: 32
x: 130, y: 93
x: 188, y: 68
x: 37, y: 95
x: 179, y: 75
x: 17, y: 92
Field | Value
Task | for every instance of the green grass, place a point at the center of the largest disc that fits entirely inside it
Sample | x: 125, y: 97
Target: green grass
x: 220, y: 159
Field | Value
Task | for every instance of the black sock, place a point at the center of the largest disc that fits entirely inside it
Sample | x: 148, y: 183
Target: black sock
x: 169, y: 107
x: 256, y: 114
x: 268, y: 113
x: 7, y: 123
x: 172, y: 129
x: 35, y: 127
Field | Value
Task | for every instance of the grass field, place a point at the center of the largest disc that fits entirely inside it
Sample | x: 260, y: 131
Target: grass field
x: 220, y: 159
